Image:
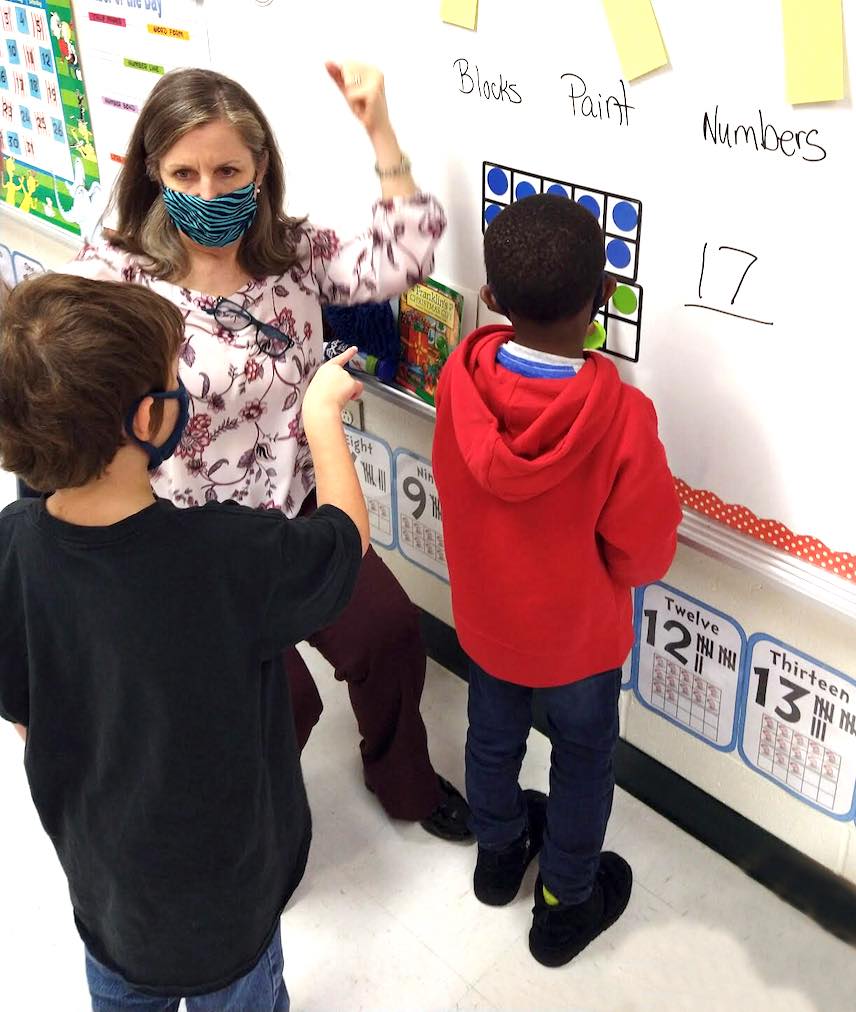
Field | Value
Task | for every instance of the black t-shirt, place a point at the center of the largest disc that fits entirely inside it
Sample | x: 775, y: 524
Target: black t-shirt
x: 145, y: 660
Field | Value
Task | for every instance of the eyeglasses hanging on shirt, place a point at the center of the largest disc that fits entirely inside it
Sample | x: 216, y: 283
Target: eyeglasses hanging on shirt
x: 270, y: 340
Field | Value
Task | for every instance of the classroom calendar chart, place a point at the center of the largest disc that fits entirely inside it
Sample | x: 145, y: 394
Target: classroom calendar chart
x: 373, y: 463
x: 418, y: 520
x: 50, y: 168
x: 129, y: 45
x: 798, y: 726
x: 688, y: 664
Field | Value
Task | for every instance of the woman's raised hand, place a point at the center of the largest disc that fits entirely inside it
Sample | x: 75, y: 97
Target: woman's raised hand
x: 362, y: 87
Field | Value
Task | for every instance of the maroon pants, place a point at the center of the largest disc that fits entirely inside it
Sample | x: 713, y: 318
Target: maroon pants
x: 376, y: 647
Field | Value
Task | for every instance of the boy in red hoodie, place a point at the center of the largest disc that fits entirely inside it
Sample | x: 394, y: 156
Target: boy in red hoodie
x: 557, y: 500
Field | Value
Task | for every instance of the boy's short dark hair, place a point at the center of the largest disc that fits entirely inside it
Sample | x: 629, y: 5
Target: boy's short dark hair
x: 74, y: 356
x: 544, y: 256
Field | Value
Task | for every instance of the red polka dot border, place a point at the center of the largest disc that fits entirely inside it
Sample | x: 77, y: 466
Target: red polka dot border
x: 771, y: 532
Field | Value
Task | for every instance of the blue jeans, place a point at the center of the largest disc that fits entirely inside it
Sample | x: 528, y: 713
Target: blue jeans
x: 582, y: 722
x: 261, y: 990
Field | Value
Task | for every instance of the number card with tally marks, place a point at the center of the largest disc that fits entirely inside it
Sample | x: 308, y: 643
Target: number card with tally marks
x: 418, y: 522
x: 689, y: 663
x: 798, y: 726
x: 372, y: 459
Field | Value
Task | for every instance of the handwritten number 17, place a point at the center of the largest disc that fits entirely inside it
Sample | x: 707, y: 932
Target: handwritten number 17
x: 732, y: 249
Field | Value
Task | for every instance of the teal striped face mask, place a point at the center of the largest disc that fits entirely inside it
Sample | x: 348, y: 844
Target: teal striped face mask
x: 215, y: 222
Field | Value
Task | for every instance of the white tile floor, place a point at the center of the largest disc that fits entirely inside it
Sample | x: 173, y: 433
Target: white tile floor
x: 385, y: 918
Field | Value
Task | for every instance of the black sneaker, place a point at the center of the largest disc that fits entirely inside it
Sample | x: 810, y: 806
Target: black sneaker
x: 451, y: 819
x: 499, y: 873
x: 561, y: 932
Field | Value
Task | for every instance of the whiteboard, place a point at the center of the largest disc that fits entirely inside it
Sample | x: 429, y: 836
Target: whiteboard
x: 755, y: 412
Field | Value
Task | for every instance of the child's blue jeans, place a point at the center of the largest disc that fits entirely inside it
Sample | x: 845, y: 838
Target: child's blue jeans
x: 261, y: 990
x: 582, y: 722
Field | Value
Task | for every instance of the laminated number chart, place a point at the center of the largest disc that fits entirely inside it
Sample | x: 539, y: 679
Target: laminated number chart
x: 373, y: 462
x: 688, y: 663
x: 799, y: 726
x: 49, y: 165
x: 420, y: 529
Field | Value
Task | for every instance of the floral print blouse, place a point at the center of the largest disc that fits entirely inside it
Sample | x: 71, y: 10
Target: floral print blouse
x: 245, y: 438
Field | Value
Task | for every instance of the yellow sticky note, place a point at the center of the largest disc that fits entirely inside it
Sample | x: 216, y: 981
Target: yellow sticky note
x: 814, y: 50
x: 460, y: 12
x: 637, y: 36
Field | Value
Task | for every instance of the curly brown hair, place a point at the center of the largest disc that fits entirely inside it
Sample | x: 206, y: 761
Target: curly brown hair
x: 74, y: 356
x: 180, y: 102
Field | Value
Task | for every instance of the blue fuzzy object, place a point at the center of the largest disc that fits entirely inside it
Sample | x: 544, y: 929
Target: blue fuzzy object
x: 370, y: 326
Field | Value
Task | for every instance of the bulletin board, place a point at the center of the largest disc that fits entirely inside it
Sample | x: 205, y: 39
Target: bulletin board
x: 726, y: 209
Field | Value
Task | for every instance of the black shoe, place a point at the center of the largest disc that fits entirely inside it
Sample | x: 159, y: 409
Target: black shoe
x: 560, y: 933
x: 451, y: 819
x: 499, y: 873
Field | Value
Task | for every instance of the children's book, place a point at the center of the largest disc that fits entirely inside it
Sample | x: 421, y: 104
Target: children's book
x: 429, y: 320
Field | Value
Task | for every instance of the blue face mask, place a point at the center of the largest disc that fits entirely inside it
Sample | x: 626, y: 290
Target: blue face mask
x: 215, y: 222
x: 158, y: 454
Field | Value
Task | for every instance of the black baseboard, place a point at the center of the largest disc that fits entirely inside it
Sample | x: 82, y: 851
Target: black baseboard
x: 803, y: 883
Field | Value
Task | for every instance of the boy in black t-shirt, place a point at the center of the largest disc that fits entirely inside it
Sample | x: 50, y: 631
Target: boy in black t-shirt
x: 141, y: 645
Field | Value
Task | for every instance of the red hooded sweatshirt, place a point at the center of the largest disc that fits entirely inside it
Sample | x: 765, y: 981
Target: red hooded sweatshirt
x: 556, y: 499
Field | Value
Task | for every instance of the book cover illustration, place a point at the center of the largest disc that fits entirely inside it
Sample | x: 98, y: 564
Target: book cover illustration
x: 429, y: 319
